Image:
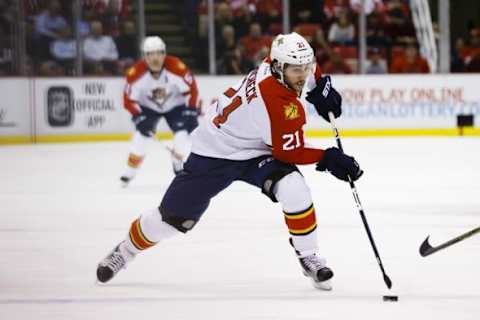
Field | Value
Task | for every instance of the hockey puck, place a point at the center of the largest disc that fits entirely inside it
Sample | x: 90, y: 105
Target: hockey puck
x: 390, y: 298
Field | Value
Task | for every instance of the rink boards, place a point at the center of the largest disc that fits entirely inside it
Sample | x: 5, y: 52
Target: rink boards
x: 91, y: 109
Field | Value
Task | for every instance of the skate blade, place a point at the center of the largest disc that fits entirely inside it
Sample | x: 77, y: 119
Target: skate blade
x: 324, y: 285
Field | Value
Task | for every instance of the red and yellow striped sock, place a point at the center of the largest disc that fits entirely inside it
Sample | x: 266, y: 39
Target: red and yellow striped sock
x: 137, y: 237
x: 301, y: 223
x: 134, y: 161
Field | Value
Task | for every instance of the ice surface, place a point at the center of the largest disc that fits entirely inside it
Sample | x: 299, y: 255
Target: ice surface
x: 62, y: 210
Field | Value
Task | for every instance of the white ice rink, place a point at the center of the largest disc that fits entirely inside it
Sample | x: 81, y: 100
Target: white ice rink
x: 62, y: 210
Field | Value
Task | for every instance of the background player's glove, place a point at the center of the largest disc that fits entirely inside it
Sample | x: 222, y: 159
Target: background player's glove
x: 325, y: 98
x: 137, y: 118
x: 339, y: 164
x: 143, y: 125
x: 190, y: 115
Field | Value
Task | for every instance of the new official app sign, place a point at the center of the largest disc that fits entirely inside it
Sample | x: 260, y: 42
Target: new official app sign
x: 80, y: 106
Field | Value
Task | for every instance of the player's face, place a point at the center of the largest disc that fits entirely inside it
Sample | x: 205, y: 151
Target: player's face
x: 155, y: 60
x: 296, y: 76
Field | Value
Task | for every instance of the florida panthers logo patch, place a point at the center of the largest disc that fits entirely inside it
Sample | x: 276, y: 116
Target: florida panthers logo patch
x: 159, y: 96
x: 291, y: 111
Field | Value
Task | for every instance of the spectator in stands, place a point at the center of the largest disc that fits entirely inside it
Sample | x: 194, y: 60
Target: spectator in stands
x: 376, y: 31
x: 50, y: 69
x: 47, y: 27
x: 254, y: 42
x: 227, y: 43
x: 111, y: 18
x: 473, y: 64
x: 411, y: 62
x: 6, y: 53
x: 7, y: 17
x: 242, y: 20
x: 126, y: 42
x: 336, y: 65
x: 261, y: 55
x: 50, y: 21
x: 369, y: 5
x: 457, y: 61
x: 223, y: 16
x: 342, y: 31
x: 332, y: 9
x: 397, y: 19
x: 376, y: 65
x: 100, y: 50
x: 306, y: 11
x: 320, y: 46
x: 475, y: 38
x: 64, y: 49
x: 235, y: 63
x: 88, y: 15
x: 269, y: 14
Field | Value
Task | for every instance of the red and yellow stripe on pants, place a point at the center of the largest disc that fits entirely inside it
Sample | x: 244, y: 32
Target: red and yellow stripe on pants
x: 301, y: 223
x: 134, y: 161
x: 138, y: 238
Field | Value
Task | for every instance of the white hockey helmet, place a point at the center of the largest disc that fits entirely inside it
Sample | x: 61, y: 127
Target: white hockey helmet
x: 289, y: 48
x: 153, y: 43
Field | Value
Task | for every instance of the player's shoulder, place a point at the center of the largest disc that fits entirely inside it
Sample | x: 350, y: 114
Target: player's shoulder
x: 175, y: 65
x: 137, y: 71
x: 272, y: 90
x: 281, y: 103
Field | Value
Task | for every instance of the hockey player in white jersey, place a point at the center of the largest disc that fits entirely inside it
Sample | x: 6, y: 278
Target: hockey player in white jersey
x: 159, y: 85
x: 254, y: 134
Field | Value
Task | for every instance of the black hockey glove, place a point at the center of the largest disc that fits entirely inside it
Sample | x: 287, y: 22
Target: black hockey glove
x: 145, y: 125
x: 339, y: 165
x: 190, y: 115
x: 138, y: 118
x: 325, y: 98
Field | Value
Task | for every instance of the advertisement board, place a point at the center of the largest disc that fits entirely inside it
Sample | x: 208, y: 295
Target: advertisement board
x: 88, y: 109
x: 15, y: 112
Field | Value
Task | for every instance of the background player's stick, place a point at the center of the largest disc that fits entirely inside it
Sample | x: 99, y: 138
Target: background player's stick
x: 426, y: 249
x: 172, y: 151
x: 386, y: 279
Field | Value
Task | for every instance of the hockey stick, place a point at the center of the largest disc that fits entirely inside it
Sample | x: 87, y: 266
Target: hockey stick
x: 386, y: 279
x: 172, y: 151
x: 426, y: 249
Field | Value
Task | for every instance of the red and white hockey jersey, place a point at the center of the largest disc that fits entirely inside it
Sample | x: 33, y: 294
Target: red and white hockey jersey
x: 258, y: 116
x: 175, y: 86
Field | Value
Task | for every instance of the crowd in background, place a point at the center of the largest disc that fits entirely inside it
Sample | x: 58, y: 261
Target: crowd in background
x: 244, y: 30
x: 109, y: 36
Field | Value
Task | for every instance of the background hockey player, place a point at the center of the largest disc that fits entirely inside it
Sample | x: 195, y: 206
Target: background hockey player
x: 253, y: 134
x: 159, y: 85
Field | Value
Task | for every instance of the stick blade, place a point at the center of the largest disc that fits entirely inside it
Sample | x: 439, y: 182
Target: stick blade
x: 425, y: 248
x: 387, y: 280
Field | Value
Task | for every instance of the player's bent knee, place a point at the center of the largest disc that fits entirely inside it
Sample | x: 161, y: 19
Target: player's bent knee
x: 292, y: 191
x: 180, y: 223
x: 270, y: 184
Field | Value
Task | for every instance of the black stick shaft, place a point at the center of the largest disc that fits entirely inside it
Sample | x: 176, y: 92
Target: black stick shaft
x: 459, y: 238
x: 386, y: 279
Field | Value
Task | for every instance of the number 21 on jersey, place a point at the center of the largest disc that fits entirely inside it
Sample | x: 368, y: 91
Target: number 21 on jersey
x: 291, y: 141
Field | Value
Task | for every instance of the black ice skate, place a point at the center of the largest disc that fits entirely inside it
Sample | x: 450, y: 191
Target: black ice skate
x: 112, y: 264
x: 125, y: 181
x: 315, y: 268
